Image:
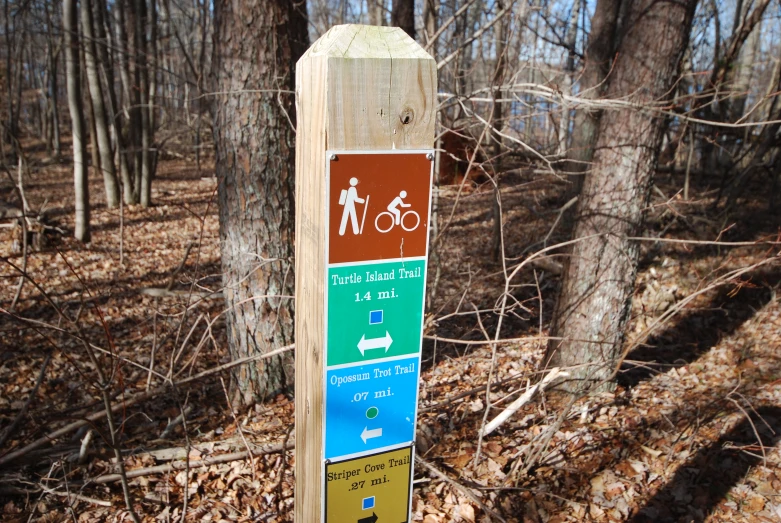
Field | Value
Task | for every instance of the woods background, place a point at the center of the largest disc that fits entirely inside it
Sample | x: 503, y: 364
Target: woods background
x: 604, y: 259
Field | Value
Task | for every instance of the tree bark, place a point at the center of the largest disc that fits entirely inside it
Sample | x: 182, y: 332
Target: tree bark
x: 596, y: 294
x: 375, y: 8
x: 403, y: 16
x: 430, y: 15
x: 593, y: 83
x: 142, y: 70
x: 98, y: 107
x: 570, y: 39
x: 129, y: 101
x: 255, y: 161
x: 80, y: 181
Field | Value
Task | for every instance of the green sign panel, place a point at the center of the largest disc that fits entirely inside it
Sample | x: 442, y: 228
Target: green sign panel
x: 375, y: 310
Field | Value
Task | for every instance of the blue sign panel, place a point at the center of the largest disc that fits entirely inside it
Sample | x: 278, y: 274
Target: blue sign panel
x: 370, y: 406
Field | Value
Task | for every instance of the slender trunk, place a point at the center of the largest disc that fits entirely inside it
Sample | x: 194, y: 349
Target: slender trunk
x: 98, y: 107
x: 375, y: 8
x: 501, y: 29
x: 430, y: 14
x: 596, y: 295
x: 152, y: 67
x: 125, y: 106
x: 76, y: 108
x: 255, y: 168
x: 107, y: 69
x: 141, y: 19
x: 54, y: 99
x: 403, y: 16
x: 570, y: 39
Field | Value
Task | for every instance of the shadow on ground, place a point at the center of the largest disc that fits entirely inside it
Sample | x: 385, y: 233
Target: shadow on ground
x: 696, y: 333
x: 703, y: 482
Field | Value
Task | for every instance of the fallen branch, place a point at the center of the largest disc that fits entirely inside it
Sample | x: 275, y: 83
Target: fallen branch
x: 523, y: 400
x: 71, y: 495
x: 181, y: 465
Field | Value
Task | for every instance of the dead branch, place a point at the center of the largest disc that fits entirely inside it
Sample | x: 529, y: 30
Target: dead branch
x: 523, y: 400
x: 206, y: 462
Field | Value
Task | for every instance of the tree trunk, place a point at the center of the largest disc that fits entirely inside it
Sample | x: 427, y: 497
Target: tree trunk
x: 570, y: 40
x: 98, y: 107
x: 403, y: 16
x: 501, y: 32
x: 596, y: 294
x: 430, y: 14
x: 375, y: 8
x: 53, y: 100
x: 100, y: 10
x: 598, y: 59
x: 73, y: 80
x: 145, y: 188
x: 255, y: 162
x: 129, y: 103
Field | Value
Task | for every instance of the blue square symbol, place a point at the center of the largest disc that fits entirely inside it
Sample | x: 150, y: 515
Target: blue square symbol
x: 375, y: 317
x: 367, y: 503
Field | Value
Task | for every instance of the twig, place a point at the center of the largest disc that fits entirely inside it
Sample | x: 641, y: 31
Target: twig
x: 523, y: 400
x: 178, y: 420
x: 79, y: 497
x: 238, y: 427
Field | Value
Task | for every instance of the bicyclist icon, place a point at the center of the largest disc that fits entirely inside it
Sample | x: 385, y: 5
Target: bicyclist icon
x: 408, y: 220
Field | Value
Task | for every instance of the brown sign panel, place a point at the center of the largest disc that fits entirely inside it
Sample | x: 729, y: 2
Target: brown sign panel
x: 378, y: 206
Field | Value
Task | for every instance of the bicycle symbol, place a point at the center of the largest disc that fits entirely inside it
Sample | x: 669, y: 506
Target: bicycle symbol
x: 396, y: 217
x: 403, y: 221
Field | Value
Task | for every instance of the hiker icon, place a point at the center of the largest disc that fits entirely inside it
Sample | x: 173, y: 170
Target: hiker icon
x: 408, y: 221
x: 348, y: 198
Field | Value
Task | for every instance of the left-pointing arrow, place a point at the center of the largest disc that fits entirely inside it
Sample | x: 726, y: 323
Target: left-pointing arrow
x: 369, y: 519
x: 369, y: 434
x: 375, y: 343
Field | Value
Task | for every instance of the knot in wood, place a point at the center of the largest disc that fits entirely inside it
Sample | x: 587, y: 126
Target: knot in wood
x: 406, y: 116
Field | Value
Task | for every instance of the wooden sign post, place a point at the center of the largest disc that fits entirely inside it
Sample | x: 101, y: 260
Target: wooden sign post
x: 366, y: 102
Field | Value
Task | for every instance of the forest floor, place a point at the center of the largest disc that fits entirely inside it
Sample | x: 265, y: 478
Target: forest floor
x: 692, y: 432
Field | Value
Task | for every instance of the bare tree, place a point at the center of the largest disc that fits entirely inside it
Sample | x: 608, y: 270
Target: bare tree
x: 596, y: 293
x: 100, y: 118
x: 403, y: 16
x: 80, y: 181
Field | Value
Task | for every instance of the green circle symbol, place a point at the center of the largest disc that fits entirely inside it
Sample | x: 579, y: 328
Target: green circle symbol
x: 372, y: 412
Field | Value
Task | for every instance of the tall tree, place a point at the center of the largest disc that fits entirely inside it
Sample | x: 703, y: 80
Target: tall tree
x: 255, y: 161
x: 403, y: 16
x: 98, y: 106
x: 142, y: 76
x: 70, y: 27
x: 596, y: 293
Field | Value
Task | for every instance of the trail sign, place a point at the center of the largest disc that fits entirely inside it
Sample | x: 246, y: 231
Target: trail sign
x: 372, y: 489
x: 366, y: 99
x: 379, y: 310
x: 370, y: 406
x: 377, y: 239
x: 378, y: 205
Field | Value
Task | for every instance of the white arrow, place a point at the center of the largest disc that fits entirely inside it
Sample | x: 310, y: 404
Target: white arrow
x: 369, y: 434
x: 375, y: 343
